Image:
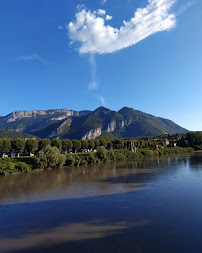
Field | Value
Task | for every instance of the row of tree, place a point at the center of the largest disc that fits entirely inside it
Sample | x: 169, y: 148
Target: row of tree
x: 191, y: 139
x: 33, y: 146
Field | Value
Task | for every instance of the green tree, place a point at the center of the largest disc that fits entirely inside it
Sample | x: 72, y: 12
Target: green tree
x: 66, y: 145
x: 5, y: 146
x: 91, y: 144
x: 18, y: 145
x: 50, y: 157
x: 118, y: 144
x: 103, y: 141
x: 101, y: 153
x: 57, y: 143
x: 84, y: 144
x: 97, y: 143
x: 76, y: 145
x: 31, y: 145
x: 44, y: 143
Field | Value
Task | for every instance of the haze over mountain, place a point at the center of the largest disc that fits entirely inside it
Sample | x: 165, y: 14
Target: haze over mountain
x: 64, y: 123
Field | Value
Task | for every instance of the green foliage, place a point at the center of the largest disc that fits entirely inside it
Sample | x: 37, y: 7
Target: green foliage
x: 97, y: 143
x: 44, y: 143
x: 91, y: 158
x: 70, y: 160
x: 67, y: 145
x: 84, y: 144
x: 56, y: 143
x: 118, y: 144
x: 148, y: 152
x: 101, y: 153
x: 91, y: 145
x: 119, y: 156
x: 76, y: 145
x: 31, y: 145
x: 12, y: 167
x: 13, y: 134
x: 18, y: 145
x: 77, y: 160
x: 194, y: 140
x: 49, y: 157
x: 5, y: 146
x: 103, y: 141
x: 111, y: 156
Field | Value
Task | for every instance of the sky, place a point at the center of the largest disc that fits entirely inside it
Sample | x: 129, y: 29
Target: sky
x: 82, y: 54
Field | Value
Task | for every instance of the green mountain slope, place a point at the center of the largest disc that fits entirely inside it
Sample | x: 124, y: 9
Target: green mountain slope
x: 127, y: 122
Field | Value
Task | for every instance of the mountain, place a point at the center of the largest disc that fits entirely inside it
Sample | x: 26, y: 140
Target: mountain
x: 9, y: 133
x: 64, y: 123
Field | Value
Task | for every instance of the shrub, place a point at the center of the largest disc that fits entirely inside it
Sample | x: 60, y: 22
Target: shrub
x: 119, y: 156
x: 22, y: 167
x: 111, y: 156
x: 101, y: 153
x: 91, y: 158
x: 77, y: 160
x: 50, y: 157
x: 70, y: 160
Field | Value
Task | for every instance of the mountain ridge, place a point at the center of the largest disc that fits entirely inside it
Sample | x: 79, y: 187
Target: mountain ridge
x: 86, y: 124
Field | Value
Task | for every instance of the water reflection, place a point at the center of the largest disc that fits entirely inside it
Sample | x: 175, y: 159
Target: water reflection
x: 150, y: 205
x: 82, y: 181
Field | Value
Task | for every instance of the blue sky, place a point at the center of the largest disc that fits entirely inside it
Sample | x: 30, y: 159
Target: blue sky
x: 136, y: 53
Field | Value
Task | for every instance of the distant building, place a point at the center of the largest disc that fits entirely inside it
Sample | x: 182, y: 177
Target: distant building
x: 166, y: 143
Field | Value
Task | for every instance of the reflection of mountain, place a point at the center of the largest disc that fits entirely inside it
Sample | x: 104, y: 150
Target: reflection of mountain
x: 127, y: 122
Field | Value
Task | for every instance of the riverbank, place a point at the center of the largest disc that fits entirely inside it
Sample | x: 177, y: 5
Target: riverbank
x: 26, y: 164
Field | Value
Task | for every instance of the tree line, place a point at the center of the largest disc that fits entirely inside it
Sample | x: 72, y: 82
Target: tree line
x: 191, y: 139
x: 34, y: 146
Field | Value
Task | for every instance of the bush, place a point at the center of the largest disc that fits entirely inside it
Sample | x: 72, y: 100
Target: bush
x: 77, y: 160
x: 111, y: 156
x: 91, y: 158
x: 147, y: 152
x: 70, y: 160
x: 50, y: 157
x: 22, y: 167
x: 101, y: 153
x: 11, y: 168
x: 119, y: 156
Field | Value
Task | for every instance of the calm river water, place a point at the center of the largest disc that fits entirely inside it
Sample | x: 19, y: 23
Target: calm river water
x: 148, y: 206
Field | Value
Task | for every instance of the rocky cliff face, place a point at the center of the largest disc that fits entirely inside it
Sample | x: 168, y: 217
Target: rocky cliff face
x: 92, y: 134
x: 32, y: 114
x: 87, y: 125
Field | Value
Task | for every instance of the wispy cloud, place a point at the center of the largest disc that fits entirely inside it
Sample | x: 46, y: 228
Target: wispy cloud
x: 102, y: 100
x: 184, y: 7
x: 95, y: 37
x: 34, y: 57
x: 94, y: 83
x: 60, y: 27
x: 103, y: 2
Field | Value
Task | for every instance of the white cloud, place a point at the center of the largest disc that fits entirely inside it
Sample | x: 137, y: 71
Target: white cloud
x: 80, y: 7
x: 102, y: 100
x: 94, y: 83
x: 60, y: 28
x: 94, y: 37
x: 108, y: 17
x: 184, y: 7
x: 101, y: 12
x: 34, y: 57
x: 103, y: 2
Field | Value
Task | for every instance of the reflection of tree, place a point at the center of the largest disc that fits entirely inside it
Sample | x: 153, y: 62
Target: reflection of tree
x: 195, y: 162
x: 101, y: 175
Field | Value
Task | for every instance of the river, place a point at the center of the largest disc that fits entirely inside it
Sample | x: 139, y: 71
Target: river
x: 145, y: 206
